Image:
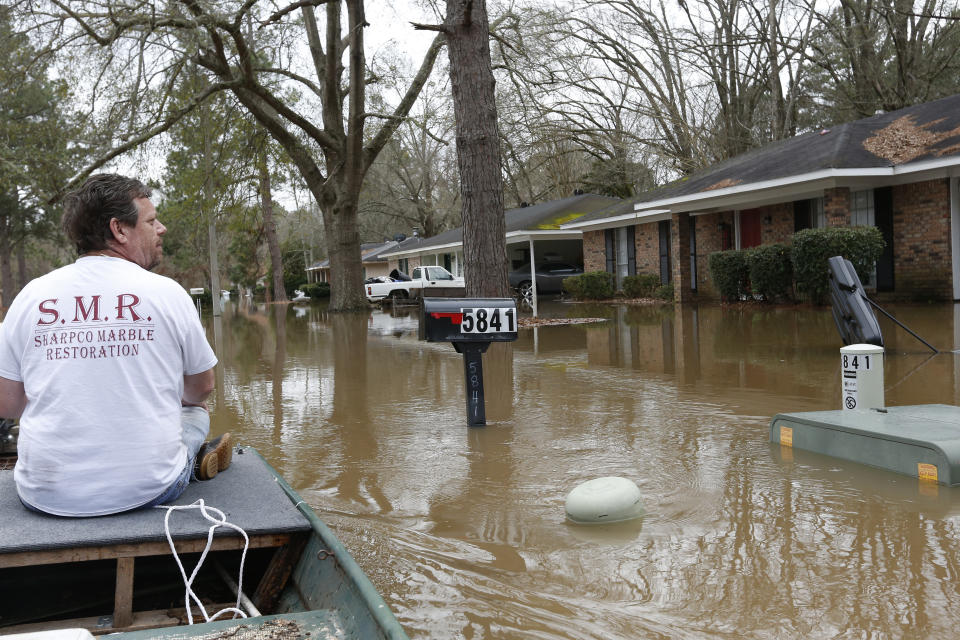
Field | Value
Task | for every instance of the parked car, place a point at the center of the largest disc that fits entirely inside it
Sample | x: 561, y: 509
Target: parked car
x: 399, y: 285
x: 550, y: 277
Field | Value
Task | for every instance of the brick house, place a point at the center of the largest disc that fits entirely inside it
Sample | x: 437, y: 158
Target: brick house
x: 897, y: 171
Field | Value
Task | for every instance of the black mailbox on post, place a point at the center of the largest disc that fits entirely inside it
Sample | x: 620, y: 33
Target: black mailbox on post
x: 471, y: 324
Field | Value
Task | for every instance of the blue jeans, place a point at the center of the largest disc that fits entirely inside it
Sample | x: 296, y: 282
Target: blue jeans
x: 195, y: 425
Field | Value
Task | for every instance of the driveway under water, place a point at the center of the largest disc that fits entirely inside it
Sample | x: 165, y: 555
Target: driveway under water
x: 462, y: 529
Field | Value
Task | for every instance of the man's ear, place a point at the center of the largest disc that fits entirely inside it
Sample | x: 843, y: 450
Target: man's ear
x: 118, y: 231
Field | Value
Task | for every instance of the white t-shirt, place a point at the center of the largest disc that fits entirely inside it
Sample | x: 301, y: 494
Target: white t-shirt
x: 101, y: 346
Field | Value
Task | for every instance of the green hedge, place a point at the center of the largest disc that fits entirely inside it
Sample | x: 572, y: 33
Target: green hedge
x: 642, y: 285
x: 664, y: 292
x: 771, y: 271
x: 593, y: 285
x: 316, y: 289
x: 730, y: 273
x: 812, y: 247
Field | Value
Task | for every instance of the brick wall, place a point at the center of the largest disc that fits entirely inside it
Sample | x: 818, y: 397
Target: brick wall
x: 781, y: 224
x: 646, y: 237
x: 709, y: 239
x: 921, y: 240
x: 680, y: 256
x: 836, y: 206
x: 594, y: 251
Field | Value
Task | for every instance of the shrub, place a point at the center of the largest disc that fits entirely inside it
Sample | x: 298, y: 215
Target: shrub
x: 593, y: 285
x: 641, y: 285
x: 771, y: 271
x: 729, y: 272
x: 316, y: 289
x: 812, y: 247
x: 664, y: 292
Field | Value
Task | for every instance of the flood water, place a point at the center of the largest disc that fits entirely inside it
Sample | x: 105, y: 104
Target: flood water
x: 462, y: 529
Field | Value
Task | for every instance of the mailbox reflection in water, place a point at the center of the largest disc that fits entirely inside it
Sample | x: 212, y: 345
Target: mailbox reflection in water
x: 471, y: 324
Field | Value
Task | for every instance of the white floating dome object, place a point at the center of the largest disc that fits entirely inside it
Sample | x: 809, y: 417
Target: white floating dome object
x: 609, y: 499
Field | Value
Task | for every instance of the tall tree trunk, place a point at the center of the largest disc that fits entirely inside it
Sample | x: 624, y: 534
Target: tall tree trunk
x: 270, y: 231
x: 6, y: 273
x: 22, y: 278
x: 343, y: 249
x: 478, y: 149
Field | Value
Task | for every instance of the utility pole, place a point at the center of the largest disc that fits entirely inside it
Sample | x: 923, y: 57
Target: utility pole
x: 208, y: 206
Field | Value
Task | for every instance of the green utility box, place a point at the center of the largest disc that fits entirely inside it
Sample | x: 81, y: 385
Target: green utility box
x: 919, y: 440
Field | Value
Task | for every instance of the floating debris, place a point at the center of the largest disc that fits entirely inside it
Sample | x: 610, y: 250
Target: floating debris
x: 556, y: 322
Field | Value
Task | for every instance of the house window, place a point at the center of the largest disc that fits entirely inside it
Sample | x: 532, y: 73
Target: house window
x: 403, y: 265
x: 818, y: 219
x: 863, y: 214
x: 693, y: 254
x: 808, y: 214
x: 861, y: 209
x: 621, y: 253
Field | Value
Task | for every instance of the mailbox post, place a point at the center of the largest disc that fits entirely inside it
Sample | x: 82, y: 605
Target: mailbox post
x: 471, y: 324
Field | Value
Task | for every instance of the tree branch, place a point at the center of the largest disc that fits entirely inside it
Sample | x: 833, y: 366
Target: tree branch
x: 403, y: 109
x: 156, y: 130
x: 291, y: 8
x: 417, y: 26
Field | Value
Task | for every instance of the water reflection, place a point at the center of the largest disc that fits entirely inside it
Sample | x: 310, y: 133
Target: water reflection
x: 462, y: 530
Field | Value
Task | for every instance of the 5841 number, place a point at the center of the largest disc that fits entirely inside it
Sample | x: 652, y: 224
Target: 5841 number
x: 488, y: 320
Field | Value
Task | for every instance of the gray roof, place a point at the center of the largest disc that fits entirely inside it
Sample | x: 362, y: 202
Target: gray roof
x: 922, y: 132
x: 545, y: 216
x: 369, y: 251
x: 929, y: 131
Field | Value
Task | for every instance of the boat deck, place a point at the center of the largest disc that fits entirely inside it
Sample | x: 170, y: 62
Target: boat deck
x: 249, y: 495
x: 315, y: 625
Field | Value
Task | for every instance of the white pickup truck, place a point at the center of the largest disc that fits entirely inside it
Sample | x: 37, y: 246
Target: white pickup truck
x: 421, y: 278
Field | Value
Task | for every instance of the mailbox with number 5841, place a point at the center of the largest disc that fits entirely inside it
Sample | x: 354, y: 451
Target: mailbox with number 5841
x: 471, y: 324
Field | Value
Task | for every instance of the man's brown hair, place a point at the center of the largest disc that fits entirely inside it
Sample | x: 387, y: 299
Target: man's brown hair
x: 89, y: 209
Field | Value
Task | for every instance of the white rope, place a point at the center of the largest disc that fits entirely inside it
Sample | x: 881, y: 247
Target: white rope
x: 219, y: 520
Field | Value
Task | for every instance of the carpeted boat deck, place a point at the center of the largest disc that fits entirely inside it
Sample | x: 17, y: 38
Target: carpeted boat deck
x: 247, y: 493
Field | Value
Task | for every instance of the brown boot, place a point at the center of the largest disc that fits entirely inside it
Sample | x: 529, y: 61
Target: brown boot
x: 214, y: 456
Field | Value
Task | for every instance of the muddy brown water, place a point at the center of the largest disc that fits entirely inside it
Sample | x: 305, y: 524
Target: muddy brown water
x: 462, y: 529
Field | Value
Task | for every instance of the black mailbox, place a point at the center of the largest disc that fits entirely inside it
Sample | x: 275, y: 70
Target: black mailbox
x: 469, y: 320
x: 471, y: 324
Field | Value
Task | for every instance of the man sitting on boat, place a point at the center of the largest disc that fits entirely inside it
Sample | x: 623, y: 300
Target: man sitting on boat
x: 108, y: 367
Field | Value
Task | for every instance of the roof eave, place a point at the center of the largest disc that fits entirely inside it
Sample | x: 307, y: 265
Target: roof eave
x: 526, y: 235
x: 793, y: 186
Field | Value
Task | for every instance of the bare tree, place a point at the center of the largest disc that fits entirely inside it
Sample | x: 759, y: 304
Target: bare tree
x: 304, y: 80
x: 883, y: 55
x: 414, y: 182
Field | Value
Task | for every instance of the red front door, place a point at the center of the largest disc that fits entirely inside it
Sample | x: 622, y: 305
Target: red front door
x: 750, y: 228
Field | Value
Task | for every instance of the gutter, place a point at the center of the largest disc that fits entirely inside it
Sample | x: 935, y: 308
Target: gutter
x: 660, y: 209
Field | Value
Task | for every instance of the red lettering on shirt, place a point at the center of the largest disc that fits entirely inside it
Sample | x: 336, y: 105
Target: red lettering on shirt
x: 48, y: 310
x: 123, y: 304
x: 85, y: 311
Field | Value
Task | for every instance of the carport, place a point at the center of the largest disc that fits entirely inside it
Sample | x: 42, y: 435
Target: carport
x: 532, y: 233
